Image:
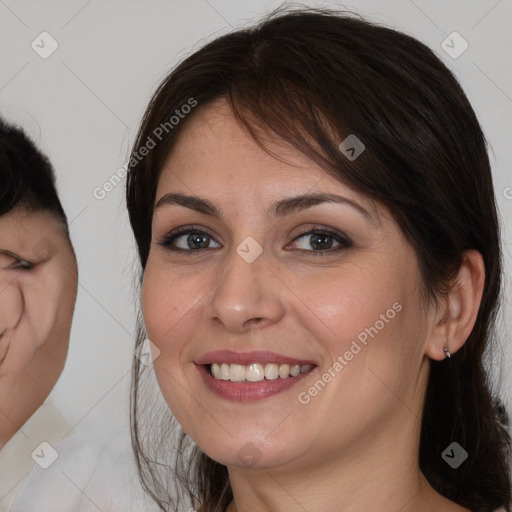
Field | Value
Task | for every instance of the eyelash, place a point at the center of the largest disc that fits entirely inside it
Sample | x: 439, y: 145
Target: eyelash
x: 343, y: 240
x: 20, y: 264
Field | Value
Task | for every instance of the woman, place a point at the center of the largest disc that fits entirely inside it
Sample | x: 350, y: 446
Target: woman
x: 315, y: 220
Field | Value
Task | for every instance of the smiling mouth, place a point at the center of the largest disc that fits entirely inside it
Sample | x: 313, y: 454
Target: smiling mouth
x: 256, y: 372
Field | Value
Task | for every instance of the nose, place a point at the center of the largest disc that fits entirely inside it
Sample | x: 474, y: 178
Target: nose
x: 247, y: 296
x: 11, y: 301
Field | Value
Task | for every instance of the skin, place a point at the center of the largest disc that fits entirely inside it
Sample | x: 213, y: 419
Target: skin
x: 361, y: 432
x: 37, y: 301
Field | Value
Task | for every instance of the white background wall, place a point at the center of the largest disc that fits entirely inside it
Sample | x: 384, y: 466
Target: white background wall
x: 83, y: 105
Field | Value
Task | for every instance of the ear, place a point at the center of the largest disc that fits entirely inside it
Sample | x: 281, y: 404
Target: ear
x: 457, y: 312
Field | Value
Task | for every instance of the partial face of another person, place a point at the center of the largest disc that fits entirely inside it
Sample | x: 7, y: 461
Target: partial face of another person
x: 38, y: 286
x: 286, y: 306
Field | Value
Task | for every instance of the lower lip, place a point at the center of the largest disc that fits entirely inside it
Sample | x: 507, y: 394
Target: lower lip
x: 248, y: 391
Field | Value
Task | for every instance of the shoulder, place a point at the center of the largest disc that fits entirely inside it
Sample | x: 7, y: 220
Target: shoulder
x: 16, y: 459
x: 90, y: 471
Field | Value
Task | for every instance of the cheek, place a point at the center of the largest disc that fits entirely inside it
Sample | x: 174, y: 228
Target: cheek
x: 348, y: 305
x: 168, y: 314
x: 365, y: 322
x: 11, y: 300
x: 170, y: 306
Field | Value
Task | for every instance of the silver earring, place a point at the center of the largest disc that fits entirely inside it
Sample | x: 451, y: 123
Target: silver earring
x: 447, y: 353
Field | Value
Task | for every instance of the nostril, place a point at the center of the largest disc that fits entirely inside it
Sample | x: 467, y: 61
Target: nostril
x: 254, y: 322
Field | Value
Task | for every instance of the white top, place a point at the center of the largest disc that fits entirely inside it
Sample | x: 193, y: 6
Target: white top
x: 46, y: 425
x: 86, y: 472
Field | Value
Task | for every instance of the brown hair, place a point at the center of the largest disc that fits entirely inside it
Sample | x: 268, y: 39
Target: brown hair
x: 312, y: 77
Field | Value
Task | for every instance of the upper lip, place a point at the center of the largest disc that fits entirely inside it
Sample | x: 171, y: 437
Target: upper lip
x: 246, y: 358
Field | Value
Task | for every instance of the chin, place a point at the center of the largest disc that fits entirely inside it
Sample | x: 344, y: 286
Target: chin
x: 250, y: 450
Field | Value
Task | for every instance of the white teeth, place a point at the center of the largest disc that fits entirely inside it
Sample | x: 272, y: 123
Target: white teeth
x: 271, y: 371
x: 256, y: 372
x: 224, y: 371
x: 284, y: 371
x: 237, y: 372
x: 295, y: 370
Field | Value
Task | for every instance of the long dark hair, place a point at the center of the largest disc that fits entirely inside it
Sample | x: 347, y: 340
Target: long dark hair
x: 312, y: 77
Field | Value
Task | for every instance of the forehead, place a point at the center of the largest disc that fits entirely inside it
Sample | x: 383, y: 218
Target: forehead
x: 213, y: 154
x: 23, y: 227
x: 214, y: 138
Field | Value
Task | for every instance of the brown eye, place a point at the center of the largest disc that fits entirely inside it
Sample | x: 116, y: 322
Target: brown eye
x: 321, y: 241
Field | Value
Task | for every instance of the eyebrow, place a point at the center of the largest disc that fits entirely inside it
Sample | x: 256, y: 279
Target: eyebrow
x: 280, y: 209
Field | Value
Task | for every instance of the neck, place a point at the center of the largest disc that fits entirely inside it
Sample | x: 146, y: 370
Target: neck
x: 379, y: 472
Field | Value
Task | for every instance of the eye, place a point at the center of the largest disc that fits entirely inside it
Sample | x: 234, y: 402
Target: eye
x: 11, y: 261
x: 321, y: 241
x: 189, y: 240
x: 22, y: 265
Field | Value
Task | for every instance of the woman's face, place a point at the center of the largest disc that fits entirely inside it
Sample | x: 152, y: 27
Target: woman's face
x: 300, y: 295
